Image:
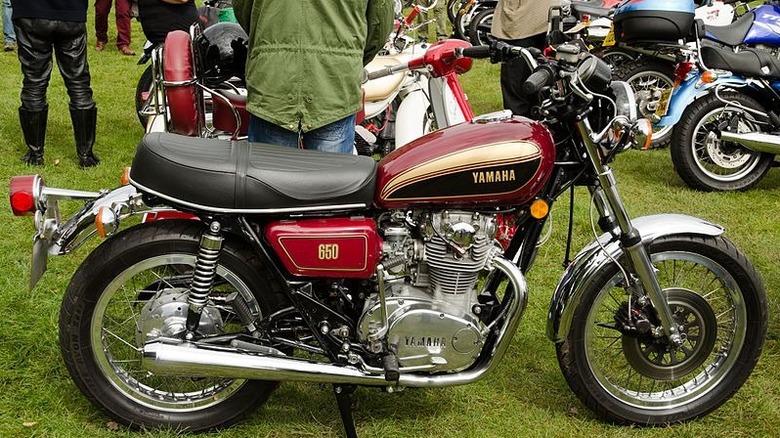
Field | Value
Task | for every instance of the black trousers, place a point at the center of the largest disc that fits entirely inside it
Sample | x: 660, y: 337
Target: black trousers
x: 514, y: 73
x: 36, y: 40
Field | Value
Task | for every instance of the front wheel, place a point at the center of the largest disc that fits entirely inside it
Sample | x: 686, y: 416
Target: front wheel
x: 705, y: 162
x: 133, y: 288
x: 620, y: 368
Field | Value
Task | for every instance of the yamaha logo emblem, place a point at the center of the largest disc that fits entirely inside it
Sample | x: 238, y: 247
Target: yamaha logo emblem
x: 490, y: 177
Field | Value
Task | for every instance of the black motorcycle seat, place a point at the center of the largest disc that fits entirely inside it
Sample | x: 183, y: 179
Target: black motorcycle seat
x: 242, y: 177
x: 747, y: 62
x: 734, y: 33
x: 594, y: 11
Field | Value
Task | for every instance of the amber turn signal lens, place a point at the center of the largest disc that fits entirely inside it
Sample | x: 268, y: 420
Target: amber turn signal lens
x: 708, y: 76
x: 125, y: 180
x: 539, y: 209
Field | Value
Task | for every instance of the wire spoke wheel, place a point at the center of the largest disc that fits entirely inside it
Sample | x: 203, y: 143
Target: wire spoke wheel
x: 134, y: 289
x: 129, y: 308
x: 722, y: 160
x: 653, y: 374
x: 706, y: 162
x: 618, y: 361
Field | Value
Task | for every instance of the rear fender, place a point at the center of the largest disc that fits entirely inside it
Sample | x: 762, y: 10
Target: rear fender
x: 691, y: 89
x: 592, y: 259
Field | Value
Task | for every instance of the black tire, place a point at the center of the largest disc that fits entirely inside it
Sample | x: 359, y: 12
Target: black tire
x: 648, y: 77
x: 479, y: 28
x: 720, y: 302
x: 144, y: 265
x: 452, y: 10
x: 461, y: 26
x: 707, y: 163
x: 144, y: 86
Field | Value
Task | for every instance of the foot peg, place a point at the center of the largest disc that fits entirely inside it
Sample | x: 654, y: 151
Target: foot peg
x: 391, y: 366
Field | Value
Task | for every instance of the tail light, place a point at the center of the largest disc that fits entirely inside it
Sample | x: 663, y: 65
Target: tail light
x: 24, y: 194
x: 681, y: 72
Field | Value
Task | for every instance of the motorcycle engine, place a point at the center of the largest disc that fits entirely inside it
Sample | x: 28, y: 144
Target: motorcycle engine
x: 433, y: 260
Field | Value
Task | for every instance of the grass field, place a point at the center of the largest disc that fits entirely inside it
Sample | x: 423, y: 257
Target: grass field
x: 526, y: 396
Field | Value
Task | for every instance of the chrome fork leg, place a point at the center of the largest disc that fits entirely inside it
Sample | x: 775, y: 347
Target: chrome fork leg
x: 203, y: 276
x: 608, y: 199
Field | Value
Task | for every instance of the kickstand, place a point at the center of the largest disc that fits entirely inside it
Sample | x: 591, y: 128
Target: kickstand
x: 344, y: 399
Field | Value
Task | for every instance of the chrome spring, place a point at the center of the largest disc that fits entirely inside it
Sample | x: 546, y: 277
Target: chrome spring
x: 205, y: 268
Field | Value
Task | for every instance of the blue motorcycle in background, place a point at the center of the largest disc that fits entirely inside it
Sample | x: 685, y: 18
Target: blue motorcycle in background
x: 726, y: 128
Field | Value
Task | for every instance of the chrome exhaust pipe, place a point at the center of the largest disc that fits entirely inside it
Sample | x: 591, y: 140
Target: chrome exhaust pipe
x: 188, y: 360
x: 755, y: 141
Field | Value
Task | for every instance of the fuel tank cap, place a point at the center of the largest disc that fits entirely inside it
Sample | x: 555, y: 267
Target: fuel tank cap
x: 493, y: 117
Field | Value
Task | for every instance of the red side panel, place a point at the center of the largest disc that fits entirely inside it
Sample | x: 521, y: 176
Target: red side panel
x: 177, y: 58
x: 332, y: 248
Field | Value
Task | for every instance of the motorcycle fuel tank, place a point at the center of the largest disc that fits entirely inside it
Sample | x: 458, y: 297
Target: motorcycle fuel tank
x: 482, y: 164
x: 331, y: 248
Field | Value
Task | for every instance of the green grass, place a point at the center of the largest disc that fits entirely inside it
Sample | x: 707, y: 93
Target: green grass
x: 526, y: 396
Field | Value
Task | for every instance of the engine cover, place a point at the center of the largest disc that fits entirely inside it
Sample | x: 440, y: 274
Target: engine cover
x: 429, y: 334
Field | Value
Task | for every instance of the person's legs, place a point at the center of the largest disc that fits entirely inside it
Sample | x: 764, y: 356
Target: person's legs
x: 102, y: 9
x: 337, y: 137
x: 514, y: 73
x: 123, y: 27
x: 9, y: 36
x: 34, y: 52
x: 71, y: 51
x: 261, y: 131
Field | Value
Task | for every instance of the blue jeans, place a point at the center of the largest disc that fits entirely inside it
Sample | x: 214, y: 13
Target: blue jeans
x: 8, y: 25
x: 338, y: 136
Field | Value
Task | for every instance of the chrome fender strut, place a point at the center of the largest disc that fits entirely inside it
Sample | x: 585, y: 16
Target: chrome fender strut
x: 593, y: 258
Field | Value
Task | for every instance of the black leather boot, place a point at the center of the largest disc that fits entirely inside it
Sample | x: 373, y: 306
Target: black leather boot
x: 34, y: 130
x: 84, y: 123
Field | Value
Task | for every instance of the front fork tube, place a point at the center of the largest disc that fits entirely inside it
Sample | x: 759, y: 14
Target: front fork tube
x: 612, y: 211
x: 203, y: 275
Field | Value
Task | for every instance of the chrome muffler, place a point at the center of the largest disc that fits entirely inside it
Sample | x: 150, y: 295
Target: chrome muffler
x: 755, y: 141
x: 189, y: 360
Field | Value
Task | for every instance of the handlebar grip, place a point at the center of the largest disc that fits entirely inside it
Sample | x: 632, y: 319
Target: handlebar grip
x: 538, y: 80
x: 387, y: 71
x: 475, y: 52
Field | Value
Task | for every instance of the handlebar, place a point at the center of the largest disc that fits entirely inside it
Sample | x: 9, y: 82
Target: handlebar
x: 539, y: 79
x: 387, y: 71
x: 473, y: 52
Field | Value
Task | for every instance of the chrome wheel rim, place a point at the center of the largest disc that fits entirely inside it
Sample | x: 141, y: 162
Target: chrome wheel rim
x: 114, y: 330
x: 717, y: 159
x: 647, y: 88
x: 679, y: 273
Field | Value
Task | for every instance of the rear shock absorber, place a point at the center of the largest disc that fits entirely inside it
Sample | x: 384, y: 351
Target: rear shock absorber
x: 203, y: 276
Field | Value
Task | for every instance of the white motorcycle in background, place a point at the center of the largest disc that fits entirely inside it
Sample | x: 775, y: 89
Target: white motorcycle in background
x: 411, y: 89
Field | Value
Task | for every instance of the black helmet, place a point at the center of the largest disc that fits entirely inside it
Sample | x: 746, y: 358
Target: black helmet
x: 222, y: 52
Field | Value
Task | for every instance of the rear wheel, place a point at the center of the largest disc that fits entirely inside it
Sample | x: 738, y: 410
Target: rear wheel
x: 707, y: 163
x: 648, y: 78
x: 133, y: 288
x: 619, y: 368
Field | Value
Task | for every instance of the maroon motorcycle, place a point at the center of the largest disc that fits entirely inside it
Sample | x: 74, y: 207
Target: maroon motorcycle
x: 409, y: 272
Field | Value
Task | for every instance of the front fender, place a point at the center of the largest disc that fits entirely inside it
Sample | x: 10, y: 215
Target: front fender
x: 592, y: 259
x: 691, y: 89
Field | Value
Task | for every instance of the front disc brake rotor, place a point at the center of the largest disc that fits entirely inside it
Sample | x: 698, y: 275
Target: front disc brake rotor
x: 657, y: 359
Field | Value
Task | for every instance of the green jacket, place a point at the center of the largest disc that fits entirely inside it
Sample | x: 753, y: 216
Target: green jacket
x: 306, y: 58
